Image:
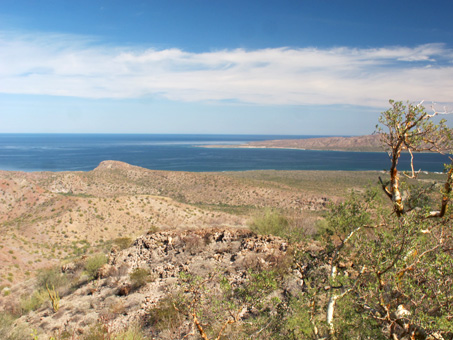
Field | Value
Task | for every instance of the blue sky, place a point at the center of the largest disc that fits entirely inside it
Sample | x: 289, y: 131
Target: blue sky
x: 211, y: 66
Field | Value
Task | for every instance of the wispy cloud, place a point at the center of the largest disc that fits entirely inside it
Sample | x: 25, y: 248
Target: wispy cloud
x: 65, y: 65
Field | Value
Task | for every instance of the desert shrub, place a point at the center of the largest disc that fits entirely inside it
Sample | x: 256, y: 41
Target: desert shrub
x: 51, y: 277
x: 93, y: 264
x: 153, y: 229
x: 6, y: 290
x: 302, y: 225
x: 271, y: 222
x: 133, y: 332
x: 33, y: 302
x: 168, y: 315
x: 6, y: 324
x: 139, y: 277
x: 101, y: 331
x: 97, y: 331
x: 219, y: 306
x: 9, y: 331
x: 122, y: 242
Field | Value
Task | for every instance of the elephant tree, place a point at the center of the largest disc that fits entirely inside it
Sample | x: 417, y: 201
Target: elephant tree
x: 401, y: 278
x: 411, y: 128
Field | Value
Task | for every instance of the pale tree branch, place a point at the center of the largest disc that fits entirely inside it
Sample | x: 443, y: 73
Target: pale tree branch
x: 445, y: 196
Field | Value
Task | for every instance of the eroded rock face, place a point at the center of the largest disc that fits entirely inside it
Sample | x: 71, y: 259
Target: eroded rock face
x: 168, y: 253
x: 118, y: 301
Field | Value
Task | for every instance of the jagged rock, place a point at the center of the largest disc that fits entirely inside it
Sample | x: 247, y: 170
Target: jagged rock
x: 124, y: 290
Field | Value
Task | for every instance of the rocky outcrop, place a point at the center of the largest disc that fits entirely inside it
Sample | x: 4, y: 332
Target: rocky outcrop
x: 115, y: 299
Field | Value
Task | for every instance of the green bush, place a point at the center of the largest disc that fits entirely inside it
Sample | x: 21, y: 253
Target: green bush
x: 93, y: 264
x: 271, y: 222
x: 9, y: 331
x: 97, y: 331
x: 139, y: 277
x: 51, y: 277
x: 33, y: 302
x: 122, y: 242
x: 131, y: 333
x: 169, y: 314
x: 153, y: 229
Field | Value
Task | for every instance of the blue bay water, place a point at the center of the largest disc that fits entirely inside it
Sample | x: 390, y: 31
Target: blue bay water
x: 83, y: 152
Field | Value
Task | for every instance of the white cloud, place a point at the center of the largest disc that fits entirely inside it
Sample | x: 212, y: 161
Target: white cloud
x: 65, y: 65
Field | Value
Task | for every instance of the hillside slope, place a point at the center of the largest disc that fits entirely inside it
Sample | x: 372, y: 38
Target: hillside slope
x: 47, y: 217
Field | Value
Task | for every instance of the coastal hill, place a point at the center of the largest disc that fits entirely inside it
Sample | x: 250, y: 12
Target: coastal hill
x: 47, y: 217
x: 370, y: 143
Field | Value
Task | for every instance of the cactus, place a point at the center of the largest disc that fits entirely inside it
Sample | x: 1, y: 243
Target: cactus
x: 54, y: 298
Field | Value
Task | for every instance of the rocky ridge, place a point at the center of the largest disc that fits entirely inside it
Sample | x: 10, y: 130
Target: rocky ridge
x: 233, y: 253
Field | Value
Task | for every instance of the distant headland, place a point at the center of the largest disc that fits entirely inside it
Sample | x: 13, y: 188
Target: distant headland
x: 368, y: 143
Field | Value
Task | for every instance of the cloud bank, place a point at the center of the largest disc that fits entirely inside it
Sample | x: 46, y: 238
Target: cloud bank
x: 66, y: 65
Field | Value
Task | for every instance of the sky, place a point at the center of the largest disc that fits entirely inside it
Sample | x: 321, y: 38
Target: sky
x: 286, y: 67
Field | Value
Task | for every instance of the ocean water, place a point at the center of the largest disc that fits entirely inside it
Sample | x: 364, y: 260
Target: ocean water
x: 84, y: 152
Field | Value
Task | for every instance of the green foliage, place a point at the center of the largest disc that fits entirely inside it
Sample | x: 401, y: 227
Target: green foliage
x: 131, y: 333
x: 353, y: 322
x: 398, y: 264
x: 122, y: 242
x: 10, y: 331
x: 272, y: 222
x: 51, y: 277
x: 413, y: 126
x: 354, y: 212
x: 34, y: 301
x: 97, y: 331
x: 169, y: 314
x: 139, y: 277
x: 259, y: 284
x: 220, y: 306
x: 153, y: 229
x: 410, y: 265
x: 80, y: 247
x: 382, y: 262
x: 410, y: 128
x: 93, y: 264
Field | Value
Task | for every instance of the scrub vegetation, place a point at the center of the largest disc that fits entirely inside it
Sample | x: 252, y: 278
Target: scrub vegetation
x: 254, y: 255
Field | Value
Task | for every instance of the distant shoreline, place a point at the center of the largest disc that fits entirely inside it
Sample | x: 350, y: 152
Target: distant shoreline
x: 368, y: 143
x: 181, y: 153
x: 245, y: 146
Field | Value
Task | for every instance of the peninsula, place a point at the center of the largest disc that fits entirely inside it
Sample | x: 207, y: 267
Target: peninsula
x: 368, y: 143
